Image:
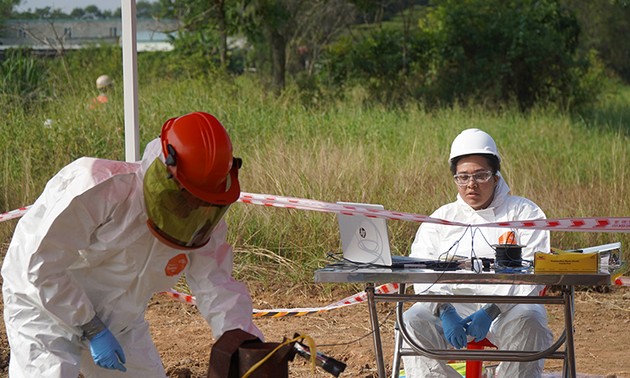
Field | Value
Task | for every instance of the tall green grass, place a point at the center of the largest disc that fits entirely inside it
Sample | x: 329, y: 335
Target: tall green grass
x: 571, y: 165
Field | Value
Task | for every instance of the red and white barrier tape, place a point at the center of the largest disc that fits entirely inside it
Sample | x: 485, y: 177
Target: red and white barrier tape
x: 348, y: 301
x: 587, y: 224
x: 281, y: 312
x: 13, y: 213
x: 591, y: 224
x: 621, y: 281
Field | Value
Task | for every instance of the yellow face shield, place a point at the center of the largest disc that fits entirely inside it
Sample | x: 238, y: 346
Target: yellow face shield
x: 176, y: 217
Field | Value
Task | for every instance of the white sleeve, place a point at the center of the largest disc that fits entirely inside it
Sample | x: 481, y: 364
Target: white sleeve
x: 61, y: 225
x: 222, y: 300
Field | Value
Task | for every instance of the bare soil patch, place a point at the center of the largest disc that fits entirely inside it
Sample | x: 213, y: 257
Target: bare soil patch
x: 602, y: 332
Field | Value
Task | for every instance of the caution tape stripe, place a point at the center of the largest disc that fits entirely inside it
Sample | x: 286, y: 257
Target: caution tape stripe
x: 14, y: 213
x: 587, y: 224
x: 282, y: 312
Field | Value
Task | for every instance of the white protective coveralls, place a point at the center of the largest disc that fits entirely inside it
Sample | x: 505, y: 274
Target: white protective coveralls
x: 84, y: 249
x: 518, y: 327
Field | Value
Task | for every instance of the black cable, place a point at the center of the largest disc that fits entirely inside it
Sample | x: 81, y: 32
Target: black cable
x: 455, y: 243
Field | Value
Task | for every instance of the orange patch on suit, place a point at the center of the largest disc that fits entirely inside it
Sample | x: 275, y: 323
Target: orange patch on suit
x: 176, y: 265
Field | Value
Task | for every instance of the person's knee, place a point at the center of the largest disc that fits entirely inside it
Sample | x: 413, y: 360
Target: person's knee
x: 534, y: 320
x: 523, y: 327
x: 423, y: 327
x: 538, y: 332
x: 418, y: 317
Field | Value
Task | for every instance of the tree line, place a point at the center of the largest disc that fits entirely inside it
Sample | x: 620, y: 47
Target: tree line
x: 434, y: 51
x: 144, y: 9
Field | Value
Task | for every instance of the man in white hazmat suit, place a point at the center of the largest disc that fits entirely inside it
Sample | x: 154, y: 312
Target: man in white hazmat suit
x: 483, y: 197
x: 104, y: 236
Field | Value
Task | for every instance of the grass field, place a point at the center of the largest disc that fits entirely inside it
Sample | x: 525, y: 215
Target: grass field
x: 572, y: 165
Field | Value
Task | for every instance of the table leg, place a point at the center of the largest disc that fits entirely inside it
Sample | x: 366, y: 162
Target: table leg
x: 376, y: 331
x: 568, y: 293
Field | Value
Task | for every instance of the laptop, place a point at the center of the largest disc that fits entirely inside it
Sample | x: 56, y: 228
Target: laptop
x: 364, y: 240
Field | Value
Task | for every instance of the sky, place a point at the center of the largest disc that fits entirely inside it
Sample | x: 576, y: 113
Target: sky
x: 68, y: 5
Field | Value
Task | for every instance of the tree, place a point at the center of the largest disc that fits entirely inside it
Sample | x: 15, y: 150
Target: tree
x: 319, y: 25
x: 377, y: 11
x: 606, y: 26
x: 489, y: 51
x: 92, y: 12
x: 501, y: 50
x: 145, y: 9
x: 270, y: 28
x: 6, y: 8
x: 204, y: 25
x: 44, y: 13
x: 277, y: 20
x: 282, y: 23
x: 77, y: 13
x: 379, y: 62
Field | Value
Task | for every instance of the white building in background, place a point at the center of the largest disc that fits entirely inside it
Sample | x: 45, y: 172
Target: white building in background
x: 68, y: 34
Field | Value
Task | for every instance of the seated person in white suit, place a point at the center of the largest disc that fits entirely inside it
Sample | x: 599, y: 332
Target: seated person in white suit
x: 483, y: 197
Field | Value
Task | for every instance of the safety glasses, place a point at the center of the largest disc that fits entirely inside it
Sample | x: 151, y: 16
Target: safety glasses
x: 462, y: 179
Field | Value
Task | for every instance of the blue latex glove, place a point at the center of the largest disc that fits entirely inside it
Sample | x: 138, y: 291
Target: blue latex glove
x: 478, y: 324
x: 106, y: 351
x: 453, y: 327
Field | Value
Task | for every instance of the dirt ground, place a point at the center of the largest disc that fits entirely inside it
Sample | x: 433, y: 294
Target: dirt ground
x: 602, y: 332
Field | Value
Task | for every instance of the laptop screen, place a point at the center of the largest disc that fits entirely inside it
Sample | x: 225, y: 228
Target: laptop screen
x: 363, y: 239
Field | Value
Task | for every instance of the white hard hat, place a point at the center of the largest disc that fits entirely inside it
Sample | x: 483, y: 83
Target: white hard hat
x: 473, y: 141
x: 103, y: 81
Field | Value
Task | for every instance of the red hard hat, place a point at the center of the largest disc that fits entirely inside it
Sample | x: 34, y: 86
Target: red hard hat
x: 198, y: 152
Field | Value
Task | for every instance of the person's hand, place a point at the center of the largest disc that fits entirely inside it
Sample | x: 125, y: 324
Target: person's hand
x: 106, y: 351
x: 453, y: 327
x: 478, y: 324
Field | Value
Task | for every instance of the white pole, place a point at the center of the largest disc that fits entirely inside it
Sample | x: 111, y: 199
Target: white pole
x: 130, y: 80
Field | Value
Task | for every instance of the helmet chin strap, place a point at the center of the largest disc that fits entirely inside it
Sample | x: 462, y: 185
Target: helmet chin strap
x: 171, y: 159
